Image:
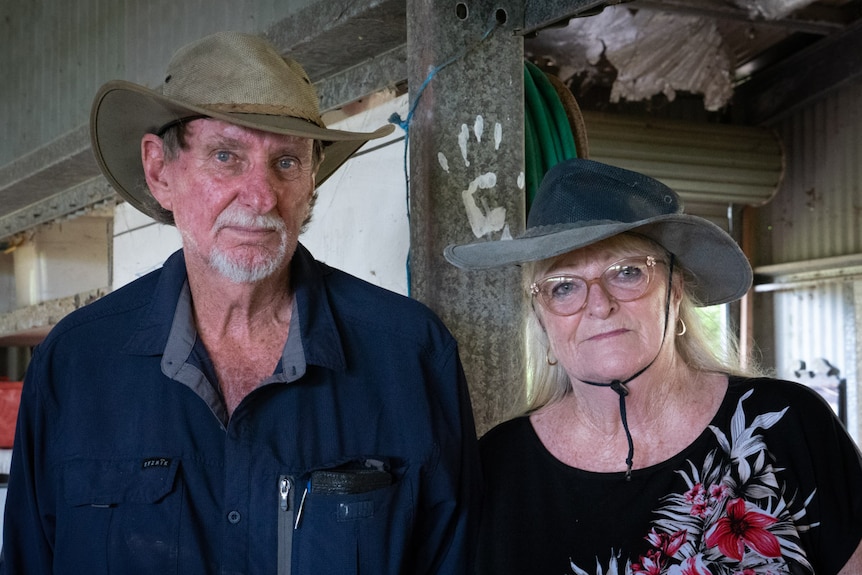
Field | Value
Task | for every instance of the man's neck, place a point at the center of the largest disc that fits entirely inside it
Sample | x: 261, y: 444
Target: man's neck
x: 244, y: 328
x: 223, y: 307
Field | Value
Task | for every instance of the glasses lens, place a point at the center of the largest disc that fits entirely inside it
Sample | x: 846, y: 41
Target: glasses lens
x: 564, y: 295
x: 625, y: 280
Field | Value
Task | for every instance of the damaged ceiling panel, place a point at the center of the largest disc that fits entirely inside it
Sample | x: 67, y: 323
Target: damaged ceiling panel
x: 646, y: 48
x: 651, y: 52
x: 772, y: 9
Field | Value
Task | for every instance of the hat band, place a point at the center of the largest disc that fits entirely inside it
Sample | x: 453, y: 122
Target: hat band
x: 161, y: 131
x: 234, y: 109
x: 265, y: 109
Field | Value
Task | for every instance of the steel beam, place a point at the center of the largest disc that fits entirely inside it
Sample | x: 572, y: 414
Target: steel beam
x: 332, y: 36
x: 51, y: 182
x: 538, y: 14
x: 802, y: 78
x: 381, y: 72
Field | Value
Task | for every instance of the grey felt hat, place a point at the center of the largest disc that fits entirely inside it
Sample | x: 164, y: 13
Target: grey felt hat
x: 581, y: 202
x: 231, y: 76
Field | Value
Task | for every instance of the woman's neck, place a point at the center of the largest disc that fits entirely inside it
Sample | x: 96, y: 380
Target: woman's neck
x: 667, y: 408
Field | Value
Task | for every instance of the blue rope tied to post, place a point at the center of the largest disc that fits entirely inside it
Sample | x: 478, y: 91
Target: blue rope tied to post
x: 404, y: 123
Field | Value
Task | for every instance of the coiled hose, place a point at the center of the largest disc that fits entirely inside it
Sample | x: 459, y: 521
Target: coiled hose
x: 553, y: 126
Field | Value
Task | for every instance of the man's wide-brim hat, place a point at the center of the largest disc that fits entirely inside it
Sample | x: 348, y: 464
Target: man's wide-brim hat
x: 231, y: 76
x: 581, y: 202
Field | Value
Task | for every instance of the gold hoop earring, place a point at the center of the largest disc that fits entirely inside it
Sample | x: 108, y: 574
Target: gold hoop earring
x: 548, y: 358
x: 682, y: 329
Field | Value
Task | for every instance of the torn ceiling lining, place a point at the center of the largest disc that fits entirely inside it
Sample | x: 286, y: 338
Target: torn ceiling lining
x: 772, y: 9
x: 652, y: 52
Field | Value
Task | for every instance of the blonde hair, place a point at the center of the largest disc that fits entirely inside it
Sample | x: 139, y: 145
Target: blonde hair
x: 547, y: 382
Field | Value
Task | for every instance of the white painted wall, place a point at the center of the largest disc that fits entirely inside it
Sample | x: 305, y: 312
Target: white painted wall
x: 140, y: 244
x: 360, y: 221
x: 8, y: 300
x: 62, y: 259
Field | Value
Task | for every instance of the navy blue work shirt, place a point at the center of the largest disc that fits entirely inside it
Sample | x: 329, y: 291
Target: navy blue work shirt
x: 357, y: 456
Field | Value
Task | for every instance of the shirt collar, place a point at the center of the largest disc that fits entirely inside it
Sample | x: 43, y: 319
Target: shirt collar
x: 318, y: 332
x: 320, y: 338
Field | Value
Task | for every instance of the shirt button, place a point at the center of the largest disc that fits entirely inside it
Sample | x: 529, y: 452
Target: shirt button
x: 234, y: 517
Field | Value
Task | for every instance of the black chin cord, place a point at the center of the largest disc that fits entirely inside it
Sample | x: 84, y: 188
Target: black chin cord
x: 620, y: 386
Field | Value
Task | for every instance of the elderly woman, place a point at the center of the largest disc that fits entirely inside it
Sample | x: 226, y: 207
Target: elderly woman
x: 642, y: 448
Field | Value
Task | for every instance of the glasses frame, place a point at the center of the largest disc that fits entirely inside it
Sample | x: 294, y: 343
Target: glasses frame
x: 536, y: 287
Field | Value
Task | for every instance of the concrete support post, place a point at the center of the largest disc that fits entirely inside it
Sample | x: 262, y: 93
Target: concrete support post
x: 466, y: 145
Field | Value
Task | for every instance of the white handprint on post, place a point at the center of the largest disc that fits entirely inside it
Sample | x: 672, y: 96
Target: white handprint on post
x: 483, y: 218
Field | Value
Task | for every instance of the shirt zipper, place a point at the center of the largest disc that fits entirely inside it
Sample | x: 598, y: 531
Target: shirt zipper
x: 285, y: 523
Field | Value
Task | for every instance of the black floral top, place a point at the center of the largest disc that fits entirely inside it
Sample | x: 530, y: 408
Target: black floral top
x: 772, y: 486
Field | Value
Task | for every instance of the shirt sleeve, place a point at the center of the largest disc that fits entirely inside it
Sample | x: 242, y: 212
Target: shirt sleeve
x: 840, y: 495
x: 825, y: 464
x: 451, y: 502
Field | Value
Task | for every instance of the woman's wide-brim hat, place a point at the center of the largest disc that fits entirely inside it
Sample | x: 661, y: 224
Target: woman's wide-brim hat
x: 231, y: 76
x: 581, y: 202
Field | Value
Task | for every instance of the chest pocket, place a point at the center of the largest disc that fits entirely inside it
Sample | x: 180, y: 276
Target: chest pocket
x: 120, y: 515
x: 363, y: 519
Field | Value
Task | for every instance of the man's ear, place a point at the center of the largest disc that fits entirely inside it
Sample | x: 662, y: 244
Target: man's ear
x: 153, y: 159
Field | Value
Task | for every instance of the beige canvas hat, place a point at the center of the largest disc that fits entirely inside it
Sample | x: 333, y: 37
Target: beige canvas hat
x: 231, y: 76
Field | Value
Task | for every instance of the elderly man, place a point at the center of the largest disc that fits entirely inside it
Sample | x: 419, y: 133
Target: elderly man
x: 244, y: 409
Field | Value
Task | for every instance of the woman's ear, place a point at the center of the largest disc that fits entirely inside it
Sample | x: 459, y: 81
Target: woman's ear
x: 538, y: 315
x: 678, y: 289
x: 153, y: 159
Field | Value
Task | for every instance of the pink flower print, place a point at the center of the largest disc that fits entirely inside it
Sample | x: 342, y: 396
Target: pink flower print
x: 691, y: 566
x: 699, y: 500
x: 668, y: 544
x: 717, y: 492
x: 650, y: 566
x: 741, y: 528
x: 696, y: 493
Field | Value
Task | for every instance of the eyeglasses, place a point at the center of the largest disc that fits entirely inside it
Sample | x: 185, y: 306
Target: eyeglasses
x: 625, y: 280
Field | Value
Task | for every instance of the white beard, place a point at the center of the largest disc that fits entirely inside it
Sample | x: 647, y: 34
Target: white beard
x: 241, y: 270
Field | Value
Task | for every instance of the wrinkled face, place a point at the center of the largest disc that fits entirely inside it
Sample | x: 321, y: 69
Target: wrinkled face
x: 607, y: 339
x: 239, y: 196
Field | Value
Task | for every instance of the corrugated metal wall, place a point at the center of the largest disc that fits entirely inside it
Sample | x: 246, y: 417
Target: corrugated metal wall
x: 817, y: 323
x: 57, y: 53
x: 816, y: 215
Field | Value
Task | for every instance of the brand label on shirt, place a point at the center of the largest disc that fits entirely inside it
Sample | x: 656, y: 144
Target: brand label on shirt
x: 156, y: 462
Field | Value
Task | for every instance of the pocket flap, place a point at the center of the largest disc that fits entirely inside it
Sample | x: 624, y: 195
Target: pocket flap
x: 349, y: 481
x: 112, y: 481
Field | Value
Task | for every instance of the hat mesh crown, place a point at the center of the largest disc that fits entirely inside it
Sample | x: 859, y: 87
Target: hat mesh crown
x: 232, y: 72
x: 594, y: 194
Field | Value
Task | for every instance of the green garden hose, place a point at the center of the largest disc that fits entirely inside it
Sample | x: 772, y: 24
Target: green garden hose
x: 548, y: 136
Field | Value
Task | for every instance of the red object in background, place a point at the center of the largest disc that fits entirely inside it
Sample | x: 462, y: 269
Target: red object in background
x: 10, y: 398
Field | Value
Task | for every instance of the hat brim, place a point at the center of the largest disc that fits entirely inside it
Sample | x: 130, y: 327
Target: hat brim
x: 721, y: 270
x: 123, y: 112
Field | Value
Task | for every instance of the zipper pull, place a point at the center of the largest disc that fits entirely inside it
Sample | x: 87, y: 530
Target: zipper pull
x: 284, y: 492
x: 285, y: 523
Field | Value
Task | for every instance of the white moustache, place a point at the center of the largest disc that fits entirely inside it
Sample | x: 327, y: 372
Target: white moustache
x: 242, y: 219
